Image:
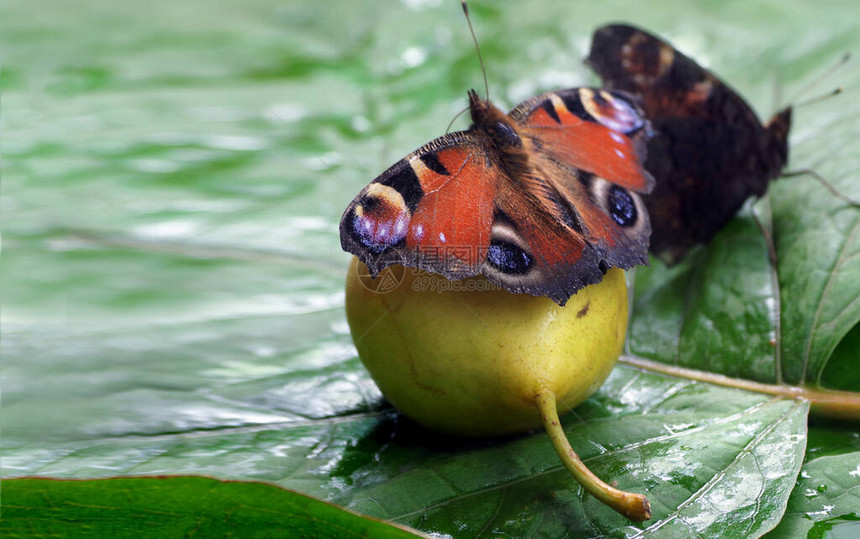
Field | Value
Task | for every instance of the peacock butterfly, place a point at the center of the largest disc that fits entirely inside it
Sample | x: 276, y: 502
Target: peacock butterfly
x: 710, y: 152
x: 541, y: 201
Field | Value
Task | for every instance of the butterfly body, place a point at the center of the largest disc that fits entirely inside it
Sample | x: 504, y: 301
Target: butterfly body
x: 542, y: 200
x: 710, y: 152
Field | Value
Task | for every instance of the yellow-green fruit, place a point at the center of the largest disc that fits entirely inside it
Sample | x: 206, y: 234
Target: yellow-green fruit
x: 469, y: 358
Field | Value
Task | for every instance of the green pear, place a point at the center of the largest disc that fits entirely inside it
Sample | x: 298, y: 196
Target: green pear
x: 472, y: 359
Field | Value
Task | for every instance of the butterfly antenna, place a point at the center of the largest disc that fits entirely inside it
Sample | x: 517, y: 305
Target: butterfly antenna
x: 809, y: 172
x: 454, y: 119
x: 477, y: 48
x: 817, y: 80
x: 823, y: 181
x: 813, y: 100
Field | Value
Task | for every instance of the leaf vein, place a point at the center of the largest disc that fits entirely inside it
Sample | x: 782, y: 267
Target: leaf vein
x: 710, y: 484
x: 824, y: 296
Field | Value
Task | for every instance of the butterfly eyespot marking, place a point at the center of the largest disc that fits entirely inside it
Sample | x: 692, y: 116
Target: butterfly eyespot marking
x: 380, y: 218
x: 509, y: 258
x: 506, y: 254
x: 610, y: 111
x: 621, y: 206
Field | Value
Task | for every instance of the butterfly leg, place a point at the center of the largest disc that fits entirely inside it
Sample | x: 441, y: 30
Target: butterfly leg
x: 768, y: 237
x: 774, y: 275
x: 835, y: 192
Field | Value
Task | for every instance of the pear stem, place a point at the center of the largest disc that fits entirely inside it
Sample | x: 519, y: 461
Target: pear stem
x: 631, y: 505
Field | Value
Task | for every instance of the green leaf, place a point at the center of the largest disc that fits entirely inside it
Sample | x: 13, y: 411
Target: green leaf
x: 696, y: 486
x: 684, y: 444
x: 714, y: 312
x: 173, y: 284
x: 174, y: 507
x: 826, y: 500
x: 820, y: 278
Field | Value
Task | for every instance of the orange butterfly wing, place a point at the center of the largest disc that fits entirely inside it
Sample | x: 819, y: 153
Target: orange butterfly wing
x: 432, y: 210
x: 537, y: 207
x: 592, y: 148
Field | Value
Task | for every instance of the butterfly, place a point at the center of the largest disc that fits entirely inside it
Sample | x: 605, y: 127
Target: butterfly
x: 710, y: 152
x: 542, y: 200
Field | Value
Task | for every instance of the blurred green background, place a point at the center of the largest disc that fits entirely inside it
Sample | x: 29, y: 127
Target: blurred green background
x: 137, y: 134
x: 173, y: 176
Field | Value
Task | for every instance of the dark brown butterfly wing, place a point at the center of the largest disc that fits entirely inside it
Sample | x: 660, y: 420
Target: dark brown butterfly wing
x: 710, y: 152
